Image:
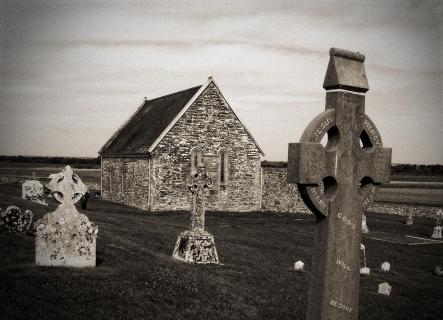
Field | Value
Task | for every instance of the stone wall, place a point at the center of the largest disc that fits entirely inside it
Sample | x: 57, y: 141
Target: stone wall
x: 211, y: 126
x: 278, y: 195
x: 404, y: 209
x: 126, y: 180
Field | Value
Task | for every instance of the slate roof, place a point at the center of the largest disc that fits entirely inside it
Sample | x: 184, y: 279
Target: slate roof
x: 148, y: 123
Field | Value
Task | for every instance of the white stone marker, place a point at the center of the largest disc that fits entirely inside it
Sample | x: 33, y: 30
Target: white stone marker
x: 65, y: 237
x: 33, y: 190
x: 437, y: 234
x: 364, y: 226
x: 409, y: 219
x: 364, y: 270
x: 384, y: 288
x: 299, y: 265
x: 385, y: 266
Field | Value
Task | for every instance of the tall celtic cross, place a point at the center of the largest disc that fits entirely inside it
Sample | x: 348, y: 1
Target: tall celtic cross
x: 337, y: 182
x: 199, y: 185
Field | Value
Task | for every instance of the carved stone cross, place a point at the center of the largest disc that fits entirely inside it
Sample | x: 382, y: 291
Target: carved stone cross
x: 337, y: 182
x: 67, y: 188
x: 199, y: 185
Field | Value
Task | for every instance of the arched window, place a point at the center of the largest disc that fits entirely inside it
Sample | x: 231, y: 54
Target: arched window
x: 123, y: 185
x: 196, y: 159
x: 223, y: 169
x: 110, y: 182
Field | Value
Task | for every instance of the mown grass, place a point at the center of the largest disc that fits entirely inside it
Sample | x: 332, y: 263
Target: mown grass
x: 136, y: 278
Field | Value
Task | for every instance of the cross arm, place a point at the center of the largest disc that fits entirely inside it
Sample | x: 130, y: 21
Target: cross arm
x: 306, y: 163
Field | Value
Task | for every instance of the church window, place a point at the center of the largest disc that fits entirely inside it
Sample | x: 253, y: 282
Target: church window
x: 196, y: 159
x: 110, y: 181
x: 223, y: 169
x: 123, y: 181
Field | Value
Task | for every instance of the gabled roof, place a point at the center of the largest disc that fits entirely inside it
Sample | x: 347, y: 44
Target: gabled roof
x: 153, y: 120
x: 147, y: 123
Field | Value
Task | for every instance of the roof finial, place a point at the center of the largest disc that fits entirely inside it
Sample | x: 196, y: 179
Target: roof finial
x: 146, y: 98
x: 210, y: 78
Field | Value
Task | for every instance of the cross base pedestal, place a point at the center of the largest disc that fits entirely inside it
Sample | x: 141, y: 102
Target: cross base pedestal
x: 196, y: 246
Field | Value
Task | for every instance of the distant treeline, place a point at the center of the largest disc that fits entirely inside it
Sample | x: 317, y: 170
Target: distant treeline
x: 78, y: 162
x: 417, y: 169
x: 397, y: 169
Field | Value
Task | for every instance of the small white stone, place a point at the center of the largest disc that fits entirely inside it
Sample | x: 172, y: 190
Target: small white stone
x: 298, y: 266
x: 384, y: 288
x: 385, y: 266
x: 365, y: 271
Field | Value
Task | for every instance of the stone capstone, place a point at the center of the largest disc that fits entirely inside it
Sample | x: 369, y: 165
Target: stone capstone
x: 13, y: 221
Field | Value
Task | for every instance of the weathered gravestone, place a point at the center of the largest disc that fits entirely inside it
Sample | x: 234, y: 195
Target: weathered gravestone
x: 437, y: 232
x: 65, y: 237
x: 364, y: 226
x: 337, y: 182
x: 364, y: 270
x: 33, y: 190
x: 409, y: 219
x: 12, y: 220
x: 197, y: 245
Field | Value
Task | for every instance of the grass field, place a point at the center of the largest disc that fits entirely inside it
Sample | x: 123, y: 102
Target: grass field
x: 136, y: 278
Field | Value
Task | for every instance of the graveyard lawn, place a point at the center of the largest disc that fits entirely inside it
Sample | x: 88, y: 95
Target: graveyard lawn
x: 136, y: 277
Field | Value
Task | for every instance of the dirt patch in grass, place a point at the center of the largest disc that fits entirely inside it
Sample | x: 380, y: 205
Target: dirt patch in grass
x: 136, y: 278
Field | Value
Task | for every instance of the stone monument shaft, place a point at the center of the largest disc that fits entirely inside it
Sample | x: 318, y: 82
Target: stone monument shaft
x: 337, y: 181
x: 199, y: 184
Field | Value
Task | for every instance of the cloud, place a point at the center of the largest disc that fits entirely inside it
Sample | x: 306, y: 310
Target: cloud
x: 77, y: 63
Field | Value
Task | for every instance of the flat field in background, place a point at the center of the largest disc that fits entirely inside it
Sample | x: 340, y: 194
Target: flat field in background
x: 136, y: 278
x: 419, y: 190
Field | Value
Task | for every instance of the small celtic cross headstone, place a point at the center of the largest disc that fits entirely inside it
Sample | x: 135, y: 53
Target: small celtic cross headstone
x: 337, y: 182
x: 65, y: 237
x: 197, y: 245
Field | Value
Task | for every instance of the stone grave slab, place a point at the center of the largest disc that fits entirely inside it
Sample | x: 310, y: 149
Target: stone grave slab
x: 33, y: 190
x: 66, y: 237
x: 337, y: 182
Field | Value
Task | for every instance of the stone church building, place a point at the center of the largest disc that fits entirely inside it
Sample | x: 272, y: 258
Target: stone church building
x: 147, y: 162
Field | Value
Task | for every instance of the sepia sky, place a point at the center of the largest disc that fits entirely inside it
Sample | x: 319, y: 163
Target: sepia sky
x: 71, y: 72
